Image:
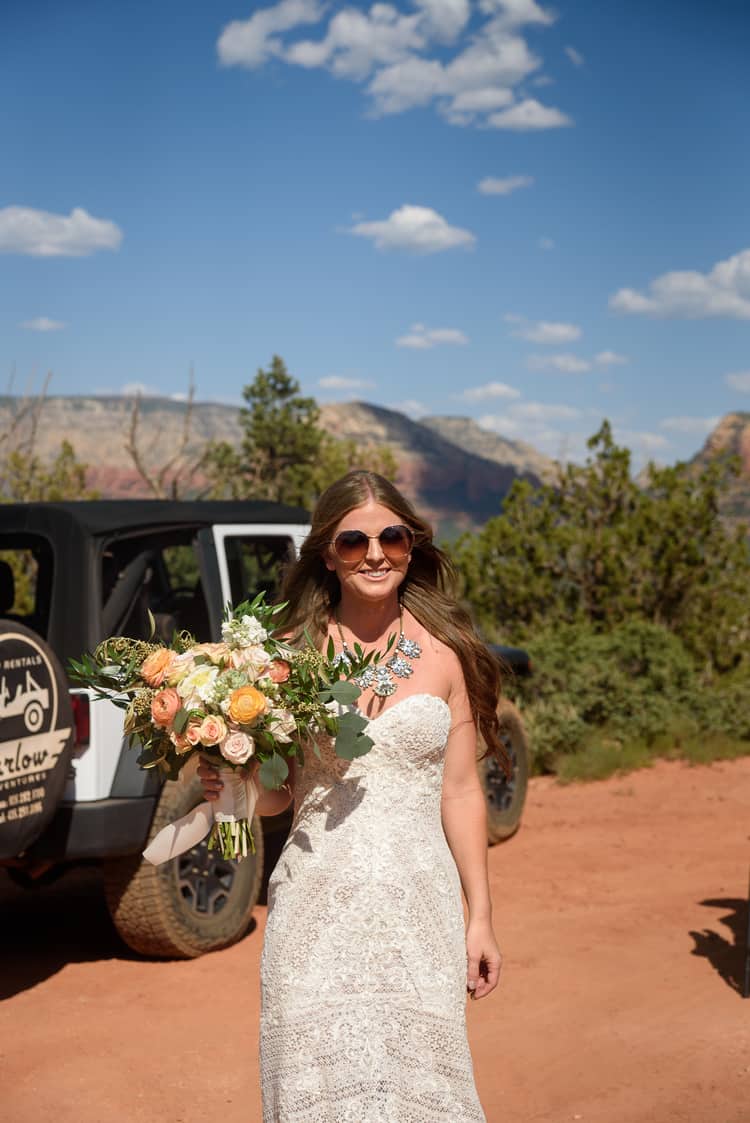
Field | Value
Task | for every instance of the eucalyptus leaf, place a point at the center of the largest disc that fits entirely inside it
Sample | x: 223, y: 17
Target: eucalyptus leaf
x: 180, y: 720
x: 274, y: 771
x: 345, y: 693
x: 348, y: 745
x: 352, y: 723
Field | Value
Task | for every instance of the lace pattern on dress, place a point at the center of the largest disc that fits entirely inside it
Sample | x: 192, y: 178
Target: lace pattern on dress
x: 364, y: 961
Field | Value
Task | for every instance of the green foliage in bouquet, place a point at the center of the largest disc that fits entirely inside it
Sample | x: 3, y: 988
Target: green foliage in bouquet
x: 252, y: 695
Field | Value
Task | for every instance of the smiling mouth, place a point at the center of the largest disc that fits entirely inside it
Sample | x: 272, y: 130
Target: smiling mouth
x: 374, y: 574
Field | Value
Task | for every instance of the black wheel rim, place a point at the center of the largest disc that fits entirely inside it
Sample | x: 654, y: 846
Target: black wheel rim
x: 204, y: 880
x: 499, y: 789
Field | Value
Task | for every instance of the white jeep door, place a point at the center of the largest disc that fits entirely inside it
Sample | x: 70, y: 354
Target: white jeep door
x: 251, y: 558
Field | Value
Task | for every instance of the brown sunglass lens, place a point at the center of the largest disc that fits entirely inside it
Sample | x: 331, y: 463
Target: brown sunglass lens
x: 396, y: 541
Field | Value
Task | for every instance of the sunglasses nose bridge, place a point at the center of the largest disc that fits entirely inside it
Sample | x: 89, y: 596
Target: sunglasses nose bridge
x: 374, y: 549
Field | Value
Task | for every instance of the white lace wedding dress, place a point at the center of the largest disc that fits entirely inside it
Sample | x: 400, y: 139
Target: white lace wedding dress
x: 364, y: 961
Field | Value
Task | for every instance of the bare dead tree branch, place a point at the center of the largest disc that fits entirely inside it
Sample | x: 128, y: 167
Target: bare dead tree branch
x: 175, y: 474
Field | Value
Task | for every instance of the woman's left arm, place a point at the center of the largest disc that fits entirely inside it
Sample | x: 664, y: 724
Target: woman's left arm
x: 465, y: 824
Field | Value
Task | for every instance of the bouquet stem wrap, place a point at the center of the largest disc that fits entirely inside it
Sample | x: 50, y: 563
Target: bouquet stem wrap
x: 226, y: 819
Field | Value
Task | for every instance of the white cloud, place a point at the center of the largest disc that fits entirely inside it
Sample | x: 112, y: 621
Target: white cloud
x: 478, y: 80
x: 410, y: 407
x: 417, y: 229
x: 357, y: 42
x: 641, y: 442
x: 515, y: 13
x: 421, y: 338
x: 528, y: 115
x: 545, y: 244
x: 42, y: 323
x: 575, y: 56
x: 341, y: 382
x: 41, y: 234
x: 739, y: 380
x: 538, y: 423
x: 724, y: 291
x: 544, y: 331
x: 445, y: 18
x: 566, y: 364
x: 691, y: 425
x: 490, y: 390
x: 490, y: 186
x: 252, y: 41
x: 479, y: 101
x: 137, y: 390
x: 610, y: 359
x: 407, y: 56
x: 544, y: 411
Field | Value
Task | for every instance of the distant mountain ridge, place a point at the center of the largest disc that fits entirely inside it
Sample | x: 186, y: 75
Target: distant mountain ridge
x: 449, y: 480
x: 456, y: 473
x: 731, y: 437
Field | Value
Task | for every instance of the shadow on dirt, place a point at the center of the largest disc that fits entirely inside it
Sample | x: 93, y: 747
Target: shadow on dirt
x: 47, y: 926
x: 725, y: 953
x: 50, y: 925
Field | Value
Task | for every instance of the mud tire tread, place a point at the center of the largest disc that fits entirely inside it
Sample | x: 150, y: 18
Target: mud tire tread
x: 144, y: 907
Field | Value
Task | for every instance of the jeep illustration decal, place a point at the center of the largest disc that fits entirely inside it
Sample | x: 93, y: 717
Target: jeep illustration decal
x: 35, y: 736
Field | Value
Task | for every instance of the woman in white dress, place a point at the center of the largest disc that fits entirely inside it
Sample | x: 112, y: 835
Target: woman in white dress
x: 367, y: 960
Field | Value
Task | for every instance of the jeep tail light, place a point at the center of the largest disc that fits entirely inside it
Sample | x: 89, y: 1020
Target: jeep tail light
x: 81, y: 718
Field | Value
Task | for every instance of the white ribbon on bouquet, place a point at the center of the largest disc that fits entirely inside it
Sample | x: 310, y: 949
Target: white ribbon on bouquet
x: 236, y: 801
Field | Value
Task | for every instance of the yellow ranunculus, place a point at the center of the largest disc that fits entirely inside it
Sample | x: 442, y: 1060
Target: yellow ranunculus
x: 246, y: 704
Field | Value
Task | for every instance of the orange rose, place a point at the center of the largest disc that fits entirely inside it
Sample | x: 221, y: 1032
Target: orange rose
x: 164, y: 706
x: 279, y: 670
x: 157, y: 665
x: 246, y: 704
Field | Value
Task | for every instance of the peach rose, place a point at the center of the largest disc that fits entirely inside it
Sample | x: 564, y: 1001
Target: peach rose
x: 237, y: 748
x: 246, y: 704
x: 279, y: 670
x: 157, y: 665
x: 164, y: 706
x: 216, y: 652
x: 182, y: 665
x: 193, y: 733
x: 180, y: 742
x: 212, y: 730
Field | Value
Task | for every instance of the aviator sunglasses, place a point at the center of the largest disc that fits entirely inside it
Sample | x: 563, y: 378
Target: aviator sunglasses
x: 351, y: 546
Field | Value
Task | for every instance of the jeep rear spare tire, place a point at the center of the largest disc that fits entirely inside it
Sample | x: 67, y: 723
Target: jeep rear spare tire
x: 36, y: 737
x: 505, y: 795
x: 195, y: 903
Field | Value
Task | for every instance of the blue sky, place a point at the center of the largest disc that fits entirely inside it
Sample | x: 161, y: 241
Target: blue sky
x: 535, y: 216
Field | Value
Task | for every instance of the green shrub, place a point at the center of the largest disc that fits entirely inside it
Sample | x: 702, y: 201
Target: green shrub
x: 600, y: 702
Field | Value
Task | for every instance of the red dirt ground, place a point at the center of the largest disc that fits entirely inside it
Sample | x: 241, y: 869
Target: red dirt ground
x: 621, y: 909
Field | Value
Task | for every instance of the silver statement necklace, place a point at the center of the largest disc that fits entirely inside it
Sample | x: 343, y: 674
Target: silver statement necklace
x: 380, y: 676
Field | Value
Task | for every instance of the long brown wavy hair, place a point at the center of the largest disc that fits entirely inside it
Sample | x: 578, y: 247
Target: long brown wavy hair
x: 312, y: 591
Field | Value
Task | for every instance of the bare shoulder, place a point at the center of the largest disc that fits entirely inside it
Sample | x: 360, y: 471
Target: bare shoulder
x: 441, y: 661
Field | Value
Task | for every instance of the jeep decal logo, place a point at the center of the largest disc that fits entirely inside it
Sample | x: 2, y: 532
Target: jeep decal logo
x: 35, y: 731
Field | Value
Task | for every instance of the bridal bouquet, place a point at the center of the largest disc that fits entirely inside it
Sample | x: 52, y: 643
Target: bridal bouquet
x: 251, y: 696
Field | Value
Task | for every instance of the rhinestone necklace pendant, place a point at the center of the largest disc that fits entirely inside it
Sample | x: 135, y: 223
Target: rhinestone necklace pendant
x: 408, y: 647
x: 384, y: 685
x: 400, y: 667
x: 380, y: 676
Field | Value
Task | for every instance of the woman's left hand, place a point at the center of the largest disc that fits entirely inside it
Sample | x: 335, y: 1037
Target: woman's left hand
x: 483, y: 959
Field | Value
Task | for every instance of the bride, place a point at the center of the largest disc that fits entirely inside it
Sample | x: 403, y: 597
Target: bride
x: 367, y: 959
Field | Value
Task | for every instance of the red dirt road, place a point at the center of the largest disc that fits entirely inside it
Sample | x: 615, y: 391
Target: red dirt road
x: 621, y: 909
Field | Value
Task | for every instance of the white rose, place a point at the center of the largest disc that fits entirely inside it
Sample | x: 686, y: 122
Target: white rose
x: 282, y: 725
x: 199, y: 682
x: 254, y: 660
x: 237, y: 748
